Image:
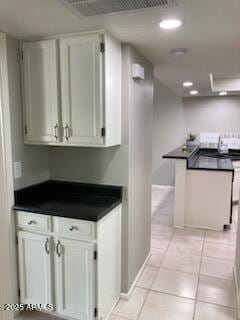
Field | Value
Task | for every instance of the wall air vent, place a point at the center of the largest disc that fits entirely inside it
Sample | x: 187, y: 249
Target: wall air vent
x: 104, y: 7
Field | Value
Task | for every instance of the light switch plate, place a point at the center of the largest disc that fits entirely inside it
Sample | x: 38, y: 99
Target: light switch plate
x: 17, y: 170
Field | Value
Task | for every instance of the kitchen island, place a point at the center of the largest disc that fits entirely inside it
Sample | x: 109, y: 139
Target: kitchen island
x: 203, y: 187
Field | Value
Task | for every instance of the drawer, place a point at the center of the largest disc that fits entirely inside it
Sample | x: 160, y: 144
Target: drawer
x: 74, y: 228
x: 32, y: 221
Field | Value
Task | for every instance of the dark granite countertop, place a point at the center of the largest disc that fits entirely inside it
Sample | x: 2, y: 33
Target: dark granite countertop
x: 205, y: 160
x: 234, y: 154
x: 180, y: 154
x: 71, y: 200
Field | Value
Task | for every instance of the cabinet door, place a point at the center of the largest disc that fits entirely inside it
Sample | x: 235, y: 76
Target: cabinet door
x: 82, y: 89
x: 35, y: 268
x: 75, y: 279
x: 236, y: 184
x: 40, y: 91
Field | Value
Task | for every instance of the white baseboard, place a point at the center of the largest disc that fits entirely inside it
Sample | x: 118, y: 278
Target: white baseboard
x: 126, y: 296
x: 235, y: 279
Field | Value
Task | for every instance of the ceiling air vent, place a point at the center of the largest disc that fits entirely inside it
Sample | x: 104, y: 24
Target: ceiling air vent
x: 102, y: 7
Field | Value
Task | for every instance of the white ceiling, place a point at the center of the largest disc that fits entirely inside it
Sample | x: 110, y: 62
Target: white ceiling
x: 210, y: 31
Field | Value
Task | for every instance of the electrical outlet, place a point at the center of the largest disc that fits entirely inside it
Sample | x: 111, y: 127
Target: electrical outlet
x: 17, y: 170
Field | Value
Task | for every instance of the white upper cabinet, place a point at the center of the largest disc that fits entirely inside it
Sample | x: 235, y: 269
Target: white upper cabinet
x: 89, y: 78
x: 81, y: 84
x: 40, y: 91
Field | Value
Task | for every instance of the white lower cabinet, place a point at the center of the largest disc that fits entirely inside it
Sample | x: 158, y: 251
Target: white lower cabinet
x: 75, y: 278
x: 79, y: 272
x: 236, y: 181
x: 35, y: 267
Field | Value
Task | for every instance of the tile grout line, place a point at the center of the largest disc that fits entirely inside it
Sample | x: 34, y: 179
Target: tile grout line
x: 149, y: 290
x: 195, y: 304
x: 143, y: 304
x: 190, y: 299
x: 190, y: 273
x: 217, y: 305
x: 168, y: 245
x: 185, y: 298
x: 214, y: 278
x: 165, y: 252
x: 172, y: 295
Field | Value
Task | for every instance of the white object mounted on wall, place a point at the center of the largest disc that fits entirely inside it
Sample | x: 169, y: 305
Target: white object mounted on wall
x: 17, y: 170
x: 137, y: 71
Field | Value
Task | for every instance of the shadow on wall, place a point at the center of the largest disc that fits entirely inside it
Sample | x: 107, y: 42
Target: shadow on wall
x: 169, y: 132
x: 105, y: 166
x: 165, y: 170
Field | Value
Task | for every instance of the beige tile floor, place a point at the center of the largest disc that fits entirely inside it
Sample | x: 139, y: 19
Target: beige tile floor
x: 188, y: 276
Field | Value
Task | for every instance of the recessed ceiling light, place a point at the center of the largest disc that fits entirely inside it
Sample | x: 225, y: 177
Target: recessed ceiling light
x: 170, y: 24
x: 223, y: 93
x: 187, y: 84
x: 178, y: 52
x: 193, y: 92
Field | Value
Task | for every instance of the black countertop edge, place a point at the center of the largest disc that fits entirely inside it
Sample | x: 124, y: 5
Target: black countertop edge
x: 197, y: 160
x: 71, y: 200
x: 180, y: 154
x: 69, y: 214
x: 210, y: 169
x: 205, y: 159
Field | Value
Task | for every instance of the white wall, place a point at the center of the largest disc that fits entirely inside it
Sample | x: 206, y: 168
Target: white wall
x: 212, y: 114
x: 169, y: 132
x: 140, y: 106
x: 34, y: 159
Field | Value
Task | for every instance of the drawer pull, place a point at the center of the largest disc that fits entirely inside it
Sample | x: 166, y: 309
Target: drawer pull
x: 67, y: 132
x: 31, y: 222
x: 58, y: 249
x: 47, y: 246
x: 72, y: 228
x: 56, y: 131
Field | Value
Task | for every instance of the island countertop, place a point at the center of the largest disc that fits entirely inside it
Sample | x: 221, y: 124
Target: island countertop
x: 179, y: 153
x: 70, y: 200
x: 205, y: 158
x: 201, y: 162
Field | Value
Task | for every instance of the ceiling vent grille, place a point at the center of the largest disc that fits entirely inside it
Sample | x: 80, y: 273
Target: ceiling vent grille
x: 103, y: 7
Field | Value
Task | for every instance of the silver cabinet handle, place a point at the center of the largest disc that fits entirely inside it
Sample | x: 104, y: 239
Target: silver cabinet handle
x: 32, y: 222
x: 56, y: 131
x: 67, y: 132
x: 58, y: 249
x: 47, y: 249
x: 72, y: 228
